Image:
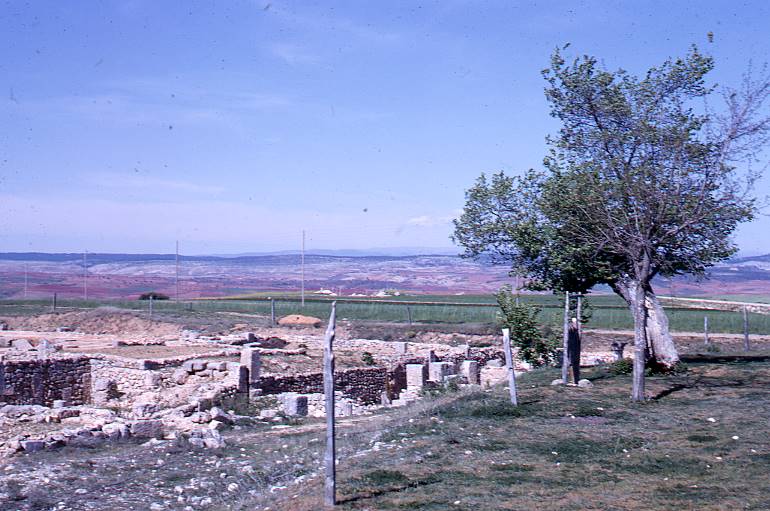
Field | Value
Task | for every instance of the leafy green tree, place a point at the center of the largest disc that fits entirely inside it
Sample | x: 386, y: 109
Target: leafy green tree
x: 641, y: 181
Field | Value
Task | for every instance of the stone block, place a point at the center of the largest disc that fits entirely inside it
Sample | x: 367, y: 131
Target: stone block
x: 437, y: 371
x: 294, y: 405
x: 152, y: 379
x: 470, y: 370
x: 585, y: 384
x: 21, y: 344
x: 416, y: 374
x: 251, y: 359
x: 32, y: 445
x: 151, y: 428
x: 217, y: 425
x: 179, y: 376
x: 115, y: 430
x: 401, y: 347
x: 217, y: 366
x: 217, y: 414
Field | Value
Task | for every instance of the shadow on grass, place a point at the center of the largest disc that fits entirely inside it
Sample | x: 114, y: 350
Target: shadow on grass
x: 381, y: 482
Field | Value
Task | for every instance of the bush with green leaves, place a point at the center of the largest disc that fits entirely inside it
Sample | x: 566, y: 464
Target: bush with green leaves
x: 153, y: 295
x: 622, y: 366
x: 367, y: 358
x: 522, y: 320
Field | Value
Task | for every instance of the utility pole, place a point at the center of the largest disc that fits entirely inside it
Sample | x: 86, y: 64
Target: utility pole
x: 302, y: 265
x: 177, y: 270
x: 85, y: 275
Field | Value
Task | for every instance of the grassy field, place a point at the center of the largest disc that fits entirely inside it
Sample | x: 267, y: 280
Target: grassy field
x: 608, y: 311
x: 694, y: 446
x: 699, y: 443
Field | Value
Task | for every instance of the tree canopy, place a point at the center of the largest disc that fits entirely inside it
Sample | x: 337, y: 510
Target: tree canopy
x: 643, y: 179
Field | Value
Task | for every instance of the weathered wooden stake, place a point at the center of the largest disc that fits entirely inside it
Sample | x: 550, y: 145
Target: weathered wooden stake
x: 151, y: 301
x: 746, y: 343
x: 330, y: 486
x: 509, y: 365
x: 409, y: 314
x: 53, y: 304
x: 565, y: 362
x: 706, y: 330
x: 272, y: 312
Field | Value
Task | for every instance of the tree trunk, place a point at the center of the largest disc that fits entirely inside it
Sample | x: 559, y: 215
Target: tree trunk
x: 661, y: 343
x: 662, y: 346
x: 638, y: 304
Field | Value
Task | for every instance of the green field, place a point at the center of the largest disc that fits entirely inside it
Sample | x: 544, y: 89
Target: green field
x: 608, y: 312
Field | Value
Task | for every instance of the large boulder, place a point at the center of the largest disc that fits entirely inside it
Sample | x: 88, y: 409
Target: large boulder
x: 299, y: 320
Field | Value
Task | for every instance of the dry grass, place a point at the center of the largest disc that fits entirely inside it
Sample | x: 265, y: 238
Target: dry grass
x: 572, y: 448
x: 581, y: 449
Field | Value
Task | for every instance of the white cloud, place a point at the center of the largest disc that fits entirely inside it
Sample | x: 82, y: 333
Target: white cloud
x: 143, y: 182
x: 293, y: 55
x: 430, y: 221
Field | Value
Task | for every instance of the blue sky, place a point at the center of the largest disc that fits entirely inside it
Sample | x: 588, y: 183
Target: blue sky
x: 231, y: 126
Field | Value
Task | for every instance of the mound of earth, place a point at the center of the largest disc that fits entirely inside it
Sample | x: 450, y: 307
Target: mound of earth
x: 104, y: 320
x: 299, y: 320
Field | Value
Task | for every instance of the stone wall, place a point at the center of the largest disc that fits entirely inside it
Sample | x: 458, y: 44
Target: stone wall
x: 43, y: 381
x: 364, y: 384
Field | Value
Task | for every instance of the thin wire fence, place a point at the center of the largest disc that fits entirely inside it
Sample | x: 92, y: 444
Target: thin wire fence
x: 606, y: 313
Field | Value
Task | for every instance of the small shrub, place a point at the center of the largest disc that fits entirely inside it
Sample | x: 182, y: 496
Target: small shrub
x: 154, y: 295
x: 510, y: 467
x: 622, y: 366
x: 522, y: 320
x: 656, y: 369
x: 585, y: 410
x: 367, y: 358
x: 385, y: 478
x: 702, y: 439
x: 713, y: 348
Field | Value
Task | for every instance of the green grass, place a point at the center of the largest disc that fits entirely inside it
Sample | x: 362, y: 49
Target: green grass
x: 608, y: 311
x: 660, y: 455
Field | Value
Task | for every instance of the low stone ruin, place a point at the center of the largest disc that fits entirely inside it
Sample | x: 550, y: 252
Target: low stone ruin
x: 83, y: 399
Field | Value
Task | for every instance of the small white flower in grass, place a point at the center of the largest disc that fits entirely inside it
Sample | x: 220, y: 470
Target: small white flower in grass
x: 558, y: 463
x: 719, y: 458
x: 711, y: 419
x: 625, y: 450
x: 735, y: 437
x: 600, y: 408
x: 554, y: 453
x: 665, y: 478
x: 468, y: 452
x: 456, y: 502
x: 754, y: 450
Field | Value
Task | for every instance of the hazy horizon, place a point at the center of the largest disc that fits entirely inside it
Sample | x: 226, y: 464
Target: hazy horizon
x: 127, y: 125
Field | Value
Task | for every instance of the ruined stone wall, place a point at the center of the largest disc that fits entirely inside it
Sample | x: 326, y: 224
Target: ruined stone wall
x: 42, y: 381
x: 364, y: 384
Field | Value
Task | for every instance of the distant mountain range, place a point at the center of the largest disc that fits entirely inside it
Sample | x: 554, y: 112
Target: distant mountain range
x: 353, y: 271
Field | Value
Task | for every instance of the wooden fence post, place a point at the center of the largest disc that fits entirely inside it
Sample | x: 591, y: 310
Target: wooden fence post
x: 53, y: 304
x: 706, y: 330
x: 330, y: 486
x: 565, y: 362
x: 151, y: 301
x: 272, y: 312
x: 409, y: 314
x: 746, y: 343
x: 509, y: 366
